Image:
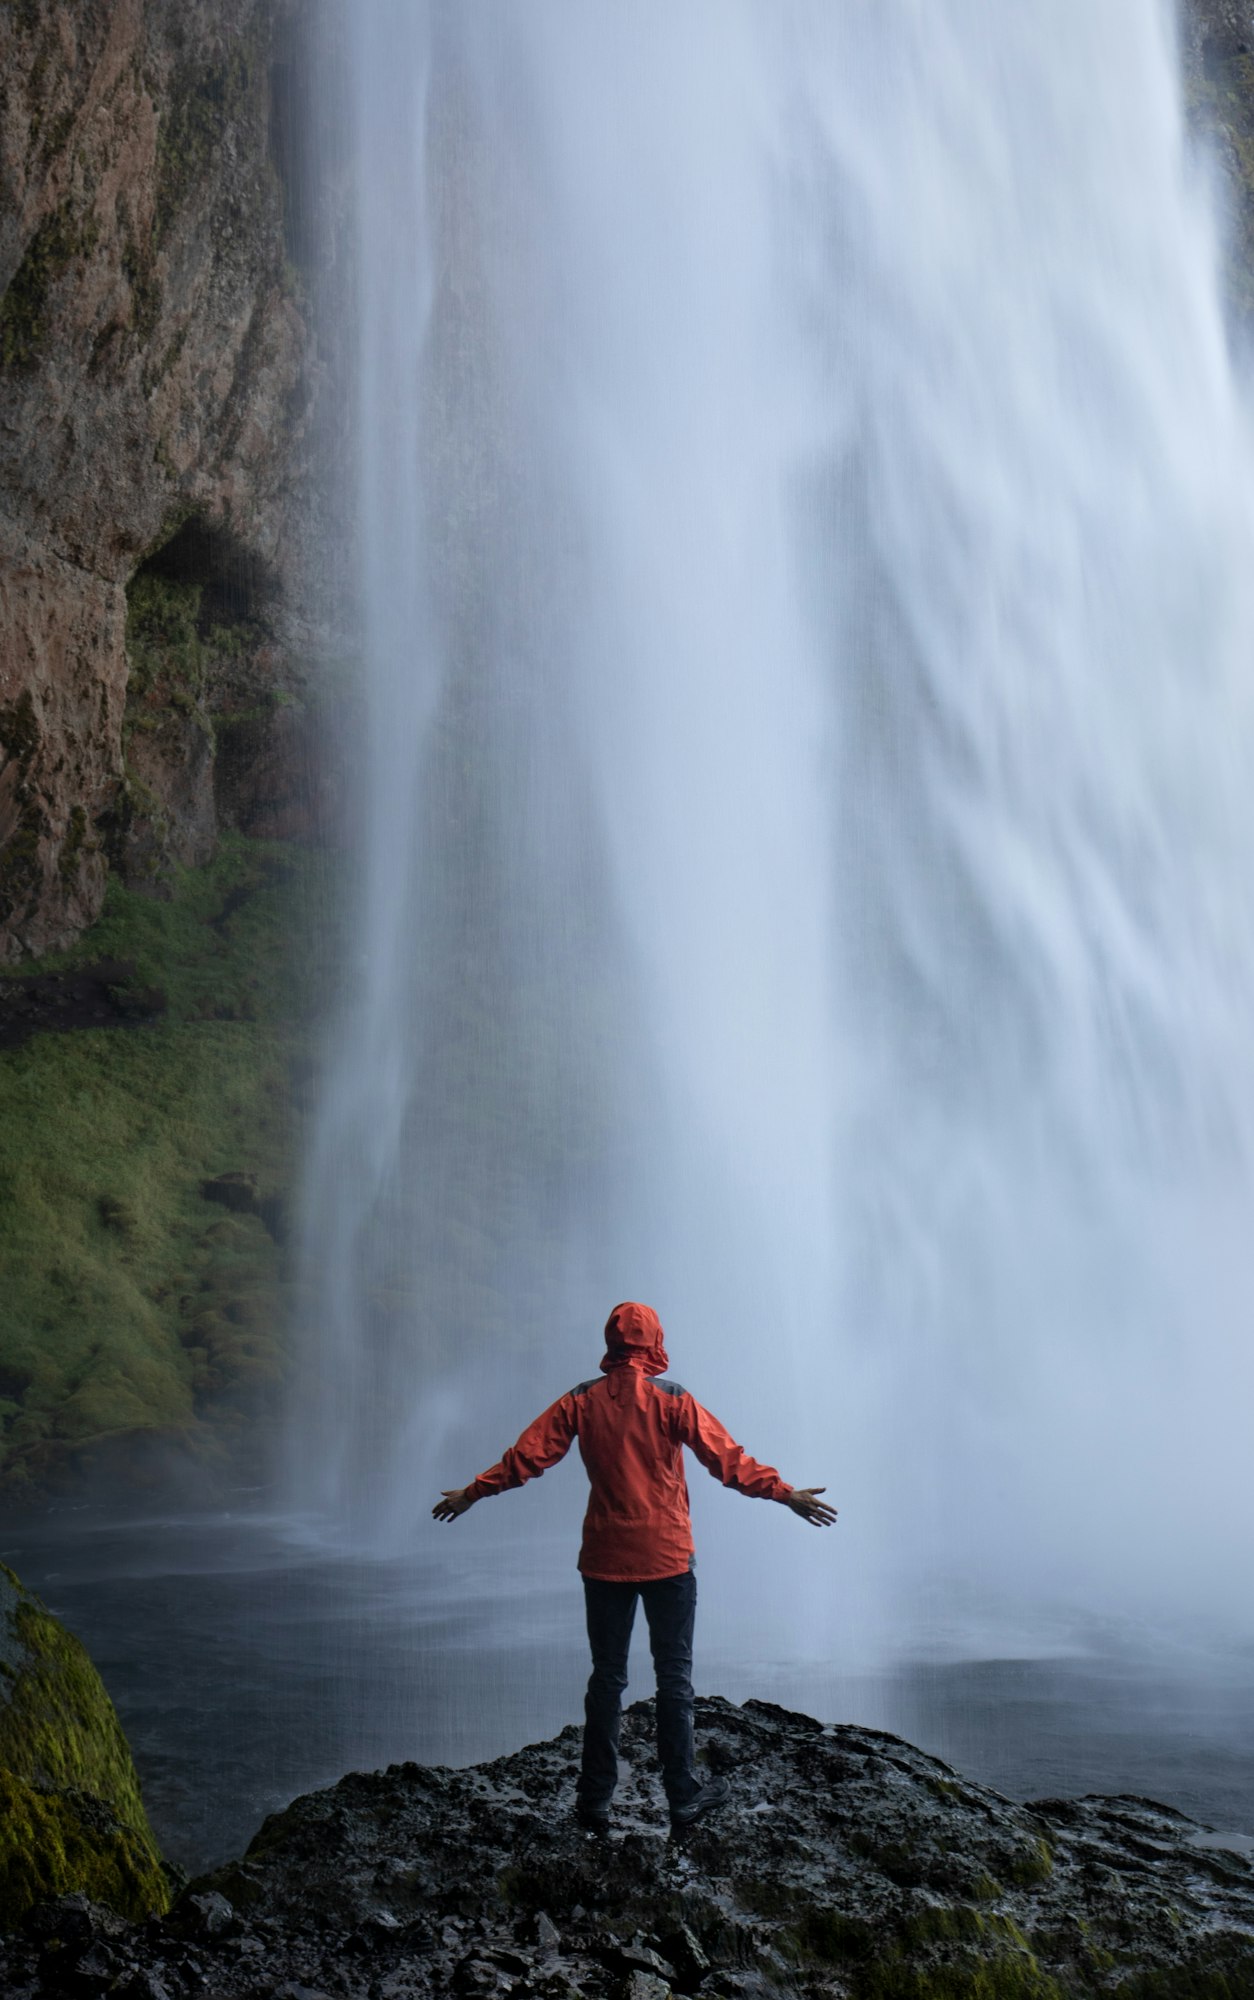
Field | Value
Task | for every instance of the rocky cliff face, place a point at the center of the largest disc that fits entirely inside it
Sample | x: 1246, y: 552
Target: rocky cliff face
x: 165, y: 417
x: 1217, y: 55
x: 846, y: 1864
x: 159, y: 396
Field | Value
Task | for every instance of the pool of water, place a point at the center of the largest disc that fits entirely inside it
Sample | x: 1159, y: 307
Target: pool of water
x: 248, y: 1667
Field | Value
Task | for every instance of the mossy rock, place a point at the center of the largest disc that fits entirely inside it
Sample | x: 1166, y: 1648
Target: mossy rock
x: 965, y: 1977
x: 71, y: 1816
x: 115, y: 1261
x: 58, y: 1843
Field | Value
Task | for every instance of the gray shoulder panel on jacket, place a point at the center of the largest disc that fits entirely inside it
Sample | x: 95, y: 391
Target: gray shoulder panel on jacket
x: 669, y: 1388
x: 581, y: 1388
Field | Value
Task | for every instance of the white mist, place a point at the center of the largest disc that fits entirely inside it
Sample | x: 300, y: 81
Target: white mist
x: 808, y: 851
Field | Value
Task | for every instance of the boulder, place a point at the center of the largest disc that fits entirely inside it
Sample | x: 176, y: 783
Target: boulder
x: 71, y: 1817
x: 846, y: 1863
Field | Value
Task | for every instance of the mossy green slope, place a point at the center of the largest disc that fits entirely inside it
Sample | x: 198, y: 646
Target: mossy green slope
x: 71, y: 1816
x: 132, y: 1303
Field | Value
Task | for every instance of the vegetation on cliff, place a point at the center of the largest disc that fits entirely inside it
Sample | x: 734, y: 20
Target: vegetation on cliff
x: 71, y: 1816
x: 146, y: 1170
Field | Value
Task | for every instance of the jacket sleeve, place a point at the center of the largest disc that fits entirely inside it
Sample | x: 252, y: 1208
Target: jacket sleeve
x: 723, y: 1457
x: 541, y: 1445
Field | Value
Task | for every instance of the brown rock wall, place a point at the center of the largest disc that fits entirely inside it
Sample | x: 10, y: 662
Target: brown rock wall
x: 156, y: 345
x: 62, y: 694
x: 157, y: 366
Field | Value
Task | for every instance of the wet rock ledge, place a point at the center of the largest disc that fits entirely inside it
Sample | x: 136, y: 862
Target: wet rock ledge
x: 848, y: 1863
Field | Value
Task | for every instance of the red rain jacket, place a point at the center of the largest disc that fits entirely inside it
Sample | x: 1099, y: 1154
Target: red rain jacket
x: 632, y: 1428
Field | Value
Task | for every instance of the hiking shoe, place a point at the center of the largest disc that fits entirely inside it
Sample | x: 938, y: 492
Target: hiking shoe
x: 712, y: 1795
x: 593, y: 1819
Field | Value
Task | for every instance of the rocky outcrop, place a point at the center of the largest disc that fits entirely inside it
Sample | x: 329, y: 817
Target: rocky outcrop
x: 71, y: 1818
x: 1217, y: 52
x: 160, y: 385
x: 1216, y: 30
x: 847, y: 1863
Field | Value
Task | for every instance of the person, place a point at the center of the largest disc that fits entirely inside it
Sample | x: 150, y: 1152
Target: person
x: 632, y: 1424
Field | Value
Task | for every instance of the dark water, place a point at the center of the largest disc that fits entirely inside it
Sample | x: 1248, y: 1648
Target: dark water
x: 247, y: 1670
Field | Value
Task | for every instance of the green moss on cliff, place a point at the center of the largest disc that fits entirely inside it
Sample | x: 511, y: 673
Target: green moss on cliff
x: 71, y: 1817
x: 930, y: 1951
x: 133, y: 1302
x: 162, y: 636
x: 963, y: 1978
x: 1029, y: 1865
x: 954, y: 1951
x: 58, y: 1726
x: 55, y: 1843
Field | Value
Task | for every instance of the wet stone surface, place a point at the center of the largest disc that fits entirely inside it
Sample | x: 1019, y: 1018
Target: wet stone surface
x: 847, y: 1862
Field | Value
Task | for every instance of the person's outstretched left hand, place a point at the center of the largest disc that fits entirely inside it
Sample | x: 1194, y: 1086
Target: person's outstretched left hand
x: 453, y: 1503
x: 804, y: 1500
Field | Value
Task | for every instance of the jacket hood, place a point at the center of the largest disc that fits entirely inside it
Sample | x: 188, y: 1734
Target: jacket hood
x: 634, y: 1339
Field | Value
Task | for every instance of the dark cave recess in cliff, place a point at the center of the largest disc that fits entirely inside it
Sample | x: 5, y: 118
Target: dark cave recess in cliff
x: 237, y: 586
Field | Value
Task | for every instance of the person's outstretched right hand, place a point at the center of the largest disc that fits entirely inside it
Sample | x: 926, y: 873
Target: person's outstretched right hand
x: 804, y: 1500
x: 452, y: 1503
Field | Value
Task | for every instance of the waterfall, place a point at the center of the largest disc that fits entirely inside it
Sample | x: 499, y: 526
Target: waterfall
x: 806, y: 847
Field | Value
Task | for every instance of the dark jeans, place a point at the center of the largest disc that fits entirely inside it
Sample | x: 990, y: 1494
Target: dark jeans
x: 670, y: 1606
